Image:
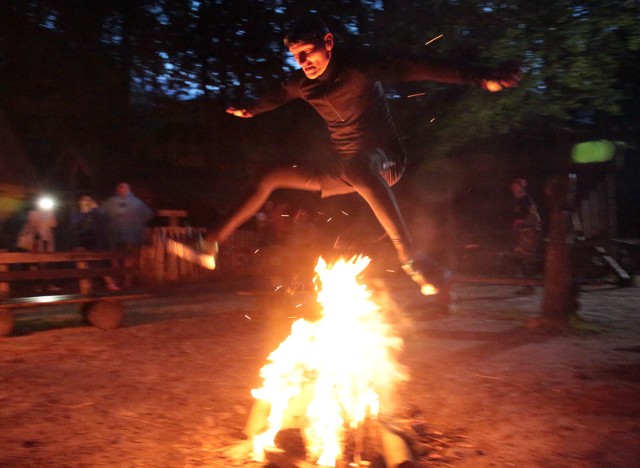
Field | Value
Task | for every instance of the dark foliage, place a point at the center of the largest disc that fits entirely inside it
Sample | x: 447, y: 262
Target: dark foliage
x: 110, y: 89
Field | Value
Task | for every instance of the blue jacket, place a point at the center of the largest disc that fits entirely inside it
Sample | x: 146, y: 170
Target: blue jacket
x: 126, y: 218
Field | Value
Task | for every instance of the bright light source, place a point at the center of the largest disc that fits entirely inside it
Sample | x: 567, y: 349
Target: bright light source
x: 46, y: 203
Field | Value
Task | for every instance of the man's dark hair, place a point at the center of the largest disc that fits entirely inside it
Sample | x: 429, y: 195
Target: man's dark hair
x: 306, y: 29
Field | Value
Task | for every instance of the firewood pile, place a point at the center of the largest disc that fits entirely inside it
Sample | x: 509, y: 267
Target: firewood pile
x: 401, y: 443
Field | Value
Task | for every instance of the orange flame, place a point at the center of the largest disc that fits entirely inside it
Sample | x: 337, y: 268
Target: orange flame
x: 344, y: 361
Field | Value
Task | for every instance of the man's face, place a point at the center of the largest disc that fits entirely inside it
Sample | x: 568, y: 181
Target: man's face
x: 86, y: 203
x: 123, y: 189
x: 313, y: 57
x: 517, y: 190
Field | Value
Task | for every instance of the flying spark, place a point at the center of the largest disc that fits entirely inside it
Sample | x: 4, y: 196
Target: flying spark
x: 434, y: 39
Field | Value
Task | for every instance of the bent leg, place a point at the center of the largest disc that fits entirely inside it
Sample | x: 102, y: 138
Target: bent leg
x: 287, y: 178
x: 376, y: 192
x: 370, y: 184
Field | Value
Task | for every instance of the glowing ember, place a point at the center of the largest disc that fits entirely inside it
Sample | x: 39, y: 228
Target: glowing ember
x: 434, y: 39
x: 339, y: 365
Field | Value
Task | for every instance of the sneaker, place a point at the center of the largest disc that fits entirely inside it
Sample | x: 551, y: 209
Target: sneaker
x: 208, y: 247
x: 200, y: 252
x: 432, y: 279
x: 208, y: 252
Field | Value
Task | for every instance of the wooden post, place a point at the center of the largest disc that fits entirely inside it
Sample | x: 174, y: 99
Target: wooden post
x: 86, y: 285
x: 6, y: 322
x: 4, y: 286
x: 145, y: 267
x: 172, y: 267
x: 159, y: 255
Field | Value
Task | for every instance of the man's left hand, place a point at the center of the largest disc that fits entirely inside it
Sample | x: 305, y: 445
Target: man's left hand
x: 243, y: 113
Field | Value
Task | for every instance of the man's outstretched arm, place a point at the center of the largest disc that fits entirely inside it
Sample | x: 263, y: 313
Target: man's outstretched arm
x: 492, y: 79
x: 277, y: 96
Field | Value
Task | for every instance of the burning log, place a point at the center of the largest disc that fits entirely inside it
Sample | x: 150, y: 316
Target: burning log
x: 395, y: 450
x: 279, y: 458
x: 292, y: 442
x: 374, y: 445
x: 257, y: 421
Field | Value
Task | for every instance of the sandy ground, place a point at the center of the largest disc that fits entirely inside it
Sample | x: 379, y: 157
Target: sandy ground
x: 171, y: 388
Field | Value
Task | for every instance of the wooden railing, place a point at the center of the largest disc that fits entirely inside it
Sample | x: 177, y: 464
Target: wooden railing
x: 157, y: 265
x: 237, y: 256
x: 83, y: 266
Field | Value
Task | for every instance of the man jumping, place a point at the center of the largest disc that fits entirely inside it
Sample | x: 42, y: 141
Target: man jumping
x: 345, y: 89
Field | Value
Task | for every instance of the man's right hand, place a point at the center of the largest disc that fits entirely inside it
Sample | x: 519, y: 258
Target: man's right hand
x: 507, y: 75
x: 243, y: 113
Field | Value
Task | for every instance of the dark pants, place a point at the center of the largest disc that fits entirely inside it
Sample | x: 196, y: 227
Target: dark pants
x: 526, y: 255
x: 370, y: 174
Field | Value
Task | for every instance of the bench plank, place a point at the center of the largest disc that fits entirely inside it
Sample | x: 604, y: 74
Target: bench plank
x: 61, y: 257
x: 50, y: 274
x: 61, y: 299
x: 80, y: 265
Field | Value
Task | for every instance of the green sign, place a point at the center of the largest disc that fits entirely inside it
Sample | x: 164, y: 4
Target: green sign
x: 596, y: 151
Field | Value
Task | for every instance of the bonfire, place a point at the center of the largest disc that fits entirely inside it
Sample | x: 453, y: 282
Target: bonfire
x: 326, y: 379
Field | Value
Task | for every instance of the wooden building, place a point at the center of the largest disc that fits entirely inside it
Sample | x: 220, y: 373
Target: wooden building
x: 18, y: 178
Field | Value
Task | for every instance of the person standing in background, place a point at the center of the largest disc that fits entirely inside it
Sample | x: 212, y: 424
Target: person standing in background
x: 89, y: 231
x: 527, y: 228
x: 38, y: 232
x: 127, y: 217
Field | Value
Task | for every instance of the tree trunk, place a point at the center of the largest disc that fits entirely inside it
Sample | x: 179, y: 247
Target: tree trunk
x: 560, y: 294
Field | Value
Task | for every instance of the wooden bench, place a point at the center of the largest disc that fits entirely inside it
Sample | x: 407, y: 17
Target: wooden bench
x: 105, y: 311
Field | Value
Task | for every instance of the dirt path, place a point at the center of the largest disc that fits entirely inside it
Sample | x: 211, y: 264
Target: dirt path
x: 171, y: 388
